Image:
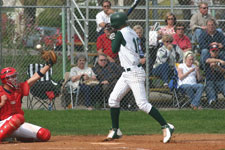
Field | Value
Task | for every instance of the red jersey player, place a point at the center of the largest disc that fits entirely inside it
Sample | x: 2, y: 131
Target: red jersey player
x: 12, y: 122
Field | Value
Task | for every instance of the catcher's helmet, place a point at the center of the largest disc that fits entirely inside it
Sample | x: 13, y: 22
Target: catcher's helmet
x: 9, y: 76
x: 118, y: 20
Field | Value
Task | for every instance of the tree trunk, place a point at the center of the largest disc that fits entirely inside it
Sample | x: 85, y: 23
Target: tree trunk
x: 30, y: 13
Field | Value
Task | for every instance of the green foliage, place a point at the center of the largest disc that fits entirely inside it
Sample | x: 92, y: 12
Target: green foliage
x: 51, y: 2
x: 57, y: 69
x: 98, y: 122
x: 8, y: 32
x: 50, y: 17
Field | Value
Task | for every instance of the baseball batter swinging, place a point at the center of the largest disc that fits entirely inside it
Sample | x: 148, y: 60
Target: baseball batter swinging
x: 12, y: 122
x: 125, y: 42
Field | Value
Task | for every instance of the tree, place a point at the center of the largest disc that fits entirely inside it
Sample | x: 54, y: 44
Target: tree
x: 29, y: 13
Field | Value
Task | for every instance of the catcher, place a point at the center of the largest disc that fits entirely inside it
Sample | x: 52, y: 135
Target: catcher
x: 12, y: 122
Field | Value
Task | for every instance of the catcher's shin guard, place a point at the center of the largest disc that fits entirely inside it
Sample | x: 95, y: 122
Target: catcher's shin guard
x: 167, y: 132
x: 43, y: 134
x: 11, y: 125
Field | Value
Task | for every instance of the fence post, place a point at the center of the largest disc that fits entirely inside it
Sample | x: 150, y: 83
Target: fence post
x: 1, y: 3
x: 64, y: 41
x: 147, y: 46
x: 154, y: 11
x: 86, y: 28
x: 68, y: 27
x: 171, y: 5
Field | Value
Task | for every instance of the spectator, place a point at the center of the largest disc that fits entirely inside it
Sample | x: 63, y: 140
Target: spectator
x: 139, y: 30
x: 180, y: 39
x: 196, y: 3
x: 103, y: 17
x: 189, y: 75
x: 210, y: 37
x: 170, y: 23
x: 79, y: 73
x: 198, y: 21
x: 166, y: 57
x: 104, y: 45
x: 214, y: 73
x: 107, y: 74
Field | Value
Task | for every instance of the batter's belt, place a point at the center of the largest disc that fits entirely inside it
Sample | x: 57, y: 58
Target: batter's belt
x: 129, y: 69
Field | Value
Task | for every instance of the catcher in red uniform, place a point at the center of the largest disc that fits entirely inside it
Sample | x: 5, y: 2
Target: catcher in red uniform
x: 12, y: 122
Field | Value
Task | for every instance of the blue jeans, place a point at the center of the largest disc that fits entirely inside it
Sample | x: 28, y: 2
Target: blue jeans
x: 90, y: 93
x: 204, y: 55
x: 163, y: 71
x: 213, y: 87
x: 197, y: 33
x: 194, y: 92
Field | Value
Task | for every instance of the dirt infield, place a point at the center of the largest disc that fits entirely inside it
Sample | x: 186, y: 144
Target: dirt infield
x: 142, y: 142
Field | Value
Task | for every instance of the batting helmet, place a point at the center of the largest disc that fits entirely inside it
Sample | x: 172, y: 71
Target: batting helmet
x: 118, y: 20
x: 9, y: 76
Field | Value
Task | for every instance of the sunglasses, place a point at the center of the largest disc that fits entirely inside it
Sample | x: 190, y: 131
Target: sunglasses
x: 204, y: 7
x: 106, y: 6
x: 170, y: 18
x: 102, y: 59
x: 169, y: 41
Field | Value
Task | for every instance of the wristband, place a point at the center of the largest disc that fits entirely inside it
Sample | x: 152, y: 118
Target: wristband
x: 40, y: 74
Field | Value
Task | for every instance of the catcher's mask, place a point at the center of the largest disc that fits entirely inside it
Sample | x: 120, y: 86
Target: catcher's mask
x: 9, y: 76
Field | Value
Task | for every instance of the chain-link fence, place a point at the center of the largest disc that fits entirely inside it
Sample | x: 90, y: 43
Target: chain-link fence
x: 25, y: 27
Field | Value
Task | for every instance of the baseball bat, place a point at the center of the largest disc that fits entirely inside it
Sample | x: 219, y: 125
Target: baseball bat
x: 135, y: 3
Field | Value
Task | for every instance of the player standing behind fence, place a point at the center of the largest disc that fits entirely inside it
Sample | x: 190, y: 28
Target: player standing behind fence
x: 125, y: 42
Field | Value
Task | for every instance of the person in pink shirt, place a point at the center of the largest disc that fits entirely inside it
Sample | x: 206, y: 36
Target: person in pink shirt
x: 170, y: 20
x: 180, y: 39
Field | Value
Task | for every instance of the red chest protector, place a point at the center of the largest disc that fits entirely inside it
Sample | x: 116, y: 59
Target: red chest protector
x: 13, y: 102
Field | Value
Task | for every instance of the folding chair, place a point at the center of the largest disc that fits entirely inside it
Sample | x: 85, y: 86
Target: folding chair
x: 44, y: 91
x: 68, y: 93
x: 179, y: 97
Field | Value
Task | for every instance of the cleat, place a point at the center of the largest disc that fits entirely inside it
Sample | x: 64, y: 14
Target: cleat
x: 167, y: 132
x: 114, y: 134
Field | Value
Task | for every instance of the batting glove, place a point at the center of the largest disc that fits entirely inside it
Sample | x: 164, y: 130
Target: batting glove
x: 112, y: 36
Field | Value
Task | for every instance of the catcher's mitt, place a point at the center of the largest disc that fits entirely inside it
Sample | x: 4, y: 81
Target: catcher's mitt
x: 49, y: 56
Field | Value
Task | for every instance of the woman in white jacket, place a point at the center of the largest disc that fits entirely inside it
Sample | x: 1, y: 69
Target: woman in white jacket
x: 167, y: 56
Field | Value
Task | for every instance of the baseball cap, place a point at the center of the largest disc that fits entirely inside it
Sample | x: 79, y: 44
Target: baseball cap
x: 214, y: 47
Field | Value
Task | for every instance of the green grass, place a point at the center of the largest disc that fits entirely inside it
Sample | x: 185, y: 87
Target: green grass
x: 97, y: 122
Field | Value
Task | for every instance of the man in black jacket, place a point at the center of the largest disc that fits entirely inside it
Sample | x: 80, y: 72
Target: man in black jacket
x: 107, y: 74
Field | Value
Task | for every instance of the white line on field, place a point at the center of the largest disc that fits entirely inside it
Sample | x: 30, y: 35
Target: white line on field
x: 105, y: 143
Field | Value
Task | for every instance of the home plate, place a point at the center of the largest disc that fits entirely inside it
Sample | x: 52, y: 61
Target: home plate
x: 106, y: 143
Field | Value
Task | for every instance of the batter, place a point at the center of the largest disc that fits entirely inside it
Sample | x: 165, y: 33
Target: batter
x: 125, y: 42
